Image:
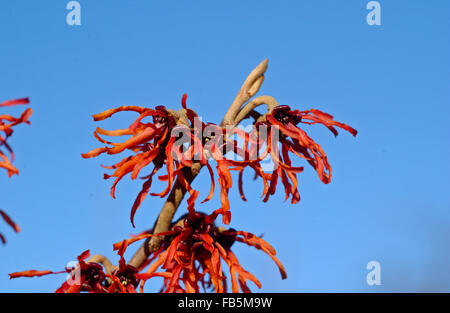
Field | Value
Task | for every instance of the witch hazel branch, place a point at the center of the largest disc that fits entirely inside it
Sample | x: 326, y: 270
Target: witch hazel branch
x: 172, y: 145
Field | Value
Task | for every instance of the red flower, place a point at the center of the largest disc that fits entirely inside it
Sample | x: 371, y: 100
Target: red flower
x: 7, y: 122
x: 149, y: 142
x: 160, y: 142
x: 123, y: 279
x: 281, y: 123
x: 192, y: 253
x: 86, y: 276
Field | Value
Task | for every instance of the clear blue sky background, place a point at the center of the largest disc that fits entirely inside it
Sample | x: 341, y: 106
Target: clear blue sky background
x: 388, y: 200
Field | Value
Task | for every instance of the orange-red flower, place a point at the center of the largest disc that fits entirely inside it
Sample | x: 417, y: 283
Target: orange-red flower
x: 86, y: 276
x: 150, y: 143
x: 123, y: 279
x: 163, y: 142
x: 7, y: 122
x: 219, y: 149
x: 192, y: 254
x: 90, y: 277
x: 281, y: 127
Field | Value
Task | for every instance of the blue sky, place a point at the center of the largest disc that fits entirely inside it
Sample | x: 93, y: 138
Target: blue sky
x: 388, y: 200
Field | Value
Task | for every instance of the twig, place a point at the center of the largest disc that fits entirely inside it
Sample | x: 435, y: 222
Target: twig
x: 180, y: 117
x: 249, y: 107
x: 249, y: 88
x: 165, y: 216
x: 98, y: 258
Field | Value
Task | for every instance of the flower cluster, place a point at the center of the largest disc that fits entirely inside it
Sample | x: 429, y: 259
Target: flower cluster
x: 189, y: 259
x: 175, y: 143
x: 281, y: 124
x: 191, y: 254
x: 90, y: 276
x: 150, y: 143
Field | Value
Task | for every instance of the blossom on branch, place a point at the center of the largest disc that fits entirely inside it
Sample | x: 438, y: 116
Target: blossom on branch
x: 150, y: 143
x: 84, y: 277
x: 123, y: 279
x: 90, y: 277
x: 192, y: 254
x: 281, y: 124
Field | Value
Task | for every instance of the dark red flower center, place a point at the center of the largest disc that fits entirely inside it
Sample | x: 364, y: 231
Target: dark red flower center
x: 127, y: 276
x: 163, y: 119
x: 160, y: 120
x: 199, y: 226
x: 283, y: 114
x: 92, y: 275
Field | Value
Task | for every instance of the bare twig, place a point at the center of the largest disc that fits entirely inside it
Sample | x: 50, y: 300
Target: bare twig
x: 249, y: 107
x: 165, y: 217
x: 248, y: 90
x: 180, y: 117
x: 98, y: 258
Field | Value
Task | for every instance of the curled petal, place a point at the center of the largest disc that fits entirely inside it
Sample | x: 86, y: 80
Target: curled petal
x: 317, y: 116
x: 94, y: 152
x: 113, y: 133
x: 32, y: 273
x: 15, y: 102
x: 9, y: 221
x: 211, y: 191
x: 108, y: 113
x: 143, y: 137
x: 84, y: 255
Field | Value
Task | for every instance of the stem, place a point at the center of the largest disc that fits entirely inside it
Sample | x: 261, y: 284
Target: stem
x: 98, y: 258
x: 248, y: 108
x: 165, y: 217
x: 249, y: 88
